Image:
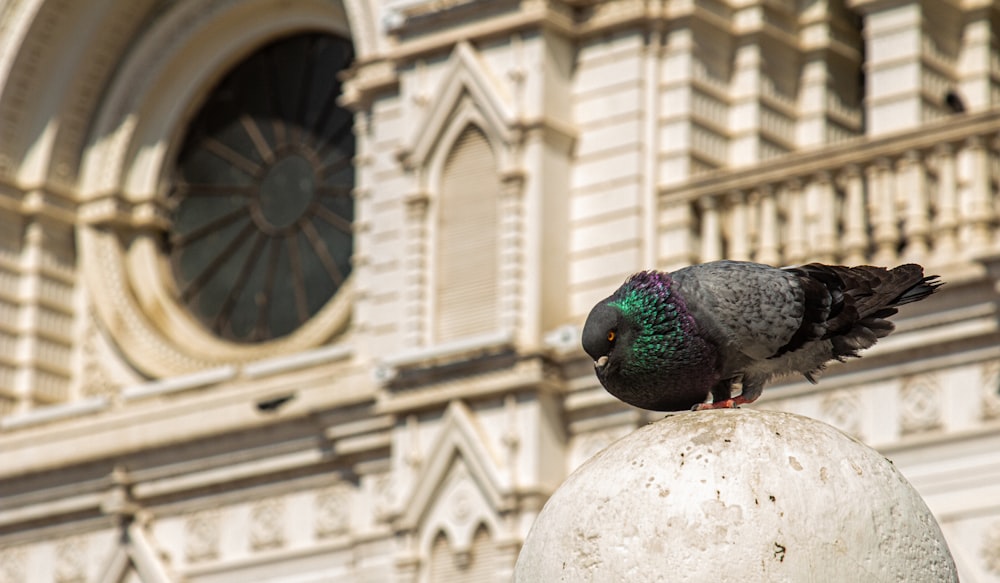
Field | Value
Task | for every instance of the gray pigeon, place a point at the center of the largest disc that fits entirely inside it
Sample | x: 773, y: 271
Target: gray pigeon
x: 664, y: 341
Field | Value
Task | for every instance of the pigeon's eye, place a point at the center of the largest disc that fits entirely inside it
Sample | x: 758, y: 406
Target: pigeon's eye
x: 611, y: 335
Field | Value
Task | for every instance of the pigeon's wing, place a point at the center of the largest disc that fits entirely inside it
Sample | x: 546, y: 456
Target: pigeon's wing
x: 752, y: 309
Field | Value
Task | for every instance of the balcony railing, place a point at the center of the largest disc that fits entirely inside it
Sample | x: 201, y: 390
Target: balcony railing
x: 928, y: 195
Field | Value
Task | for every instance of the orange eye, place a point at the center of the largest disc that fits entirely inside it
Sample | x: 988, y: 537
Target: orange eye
x: 611, y: 335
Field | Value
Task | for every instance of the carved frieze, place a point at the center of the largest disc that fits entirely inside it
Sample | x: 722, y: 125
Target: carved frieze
x: 333, y: 510
x: 267, y: 524
x: 13, y: 565
x: 990, y: 390
x: 842, y: 409
x: 71, y: 556
x: 990, y: 549
x: 202, y: 536
x: 920, y: 404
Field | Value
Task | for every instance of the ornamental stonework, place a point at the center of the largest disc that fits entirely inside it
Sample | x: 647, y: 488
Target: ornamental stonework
x: 13, y: 565
x: 990, y: 549
x: 202, y: 536
x: 333, y: 510
x: 990, y: 390
x: 842, y: 409
x: 267, y: 524
x: 920, y: 404
x: 71, y: 560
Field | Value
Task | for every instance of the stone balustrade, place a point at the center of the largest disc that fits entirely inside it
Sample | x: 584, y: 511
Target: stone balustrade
x: 928, y: 196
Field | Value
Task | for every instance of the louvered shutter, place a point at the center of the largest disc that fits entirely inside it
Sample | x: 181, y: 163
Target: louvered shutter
x: 467, y: 290
x: 442, y: 563
x: 483, y: 562
x: 481, y: 567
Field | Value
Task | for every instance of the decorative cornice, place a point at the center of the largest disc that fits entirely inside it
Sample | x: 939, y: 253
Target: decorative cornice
x: 434, y: 27
x: 868, y: 6
x: 213, y: 404
x: 416, y: 34
x: 480, y: 379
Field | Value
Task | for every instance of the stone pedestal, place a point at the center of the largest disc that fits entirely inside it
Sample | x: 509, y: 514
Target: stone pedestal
x: 736, y: 496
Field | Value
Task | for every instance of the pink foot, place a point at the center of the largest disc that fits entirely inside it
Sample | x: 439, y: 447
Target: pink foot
x: 733, y: 403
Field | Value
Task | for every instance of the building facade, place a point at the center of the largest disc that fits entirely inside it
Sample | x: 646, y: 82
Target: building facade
x: 292, y: 289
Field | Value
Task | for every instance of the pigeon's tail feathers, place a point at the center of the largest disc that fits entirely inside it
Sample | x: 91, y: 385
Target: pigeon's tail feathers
x: 861, y: 299
x: 879, y: 291
x: 921, y: 290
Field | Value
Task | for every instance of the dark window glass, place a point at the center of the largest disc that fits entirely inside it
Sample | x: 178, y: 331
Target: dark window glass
x: 261, y: 202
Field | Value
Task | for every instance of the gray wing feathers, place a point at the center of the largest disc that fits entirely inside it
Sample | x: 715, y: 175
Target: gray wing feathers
x: 748, y: 308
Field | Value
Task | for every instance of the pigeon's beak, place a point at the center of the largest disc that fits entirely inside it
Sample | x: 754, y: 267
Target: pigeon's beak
x: 601, y: 362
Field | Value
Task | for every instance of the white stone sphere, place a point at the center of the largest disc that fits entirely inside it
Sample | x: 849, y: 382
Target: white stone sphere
x: 737, y: 496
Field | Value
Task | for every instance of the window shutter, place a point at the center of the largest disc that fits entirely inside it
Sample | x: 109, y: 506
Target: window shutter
x: 467, y: 287
x: 442, y: 563
x: 484, y: 558
x: 482, y: 561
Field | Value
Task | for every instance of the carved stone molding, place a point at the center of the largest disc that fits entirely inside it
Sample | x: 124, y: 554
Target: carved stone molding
x: 842, y: 409
x: 13, y: 565
x: 990, y: 390
x: 71, y: 560
x: 203, y: 532
x: 990, y: 549
x: 467, y: 94
x: 384, y: 493
x: 267, y: 524
x: 920, y: 404
x: 333, y: 510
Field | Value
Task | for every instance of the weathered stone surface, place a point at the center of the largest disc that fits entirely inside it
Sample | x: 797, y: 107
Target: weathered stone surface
x: 736, y: 496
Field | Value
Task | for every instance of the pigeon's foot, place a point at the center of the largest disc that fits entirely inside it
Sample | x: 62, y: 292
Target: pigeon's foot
x: 727, y: 404
x: 732, y: 403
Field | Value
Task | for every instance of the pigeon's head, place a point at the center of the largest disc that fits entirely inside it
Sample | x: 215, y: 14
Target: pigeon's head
x: 624, y: 331
x: 605, y: 336
x: 644, y: 341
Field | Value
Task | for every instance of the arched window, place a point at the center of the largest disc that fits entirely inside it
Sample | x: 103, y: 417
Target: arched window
x: 467, y: 294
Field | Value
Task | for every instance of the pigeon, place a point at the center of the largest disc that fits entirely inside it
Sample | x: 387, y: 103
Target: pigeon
x: 665, y: 341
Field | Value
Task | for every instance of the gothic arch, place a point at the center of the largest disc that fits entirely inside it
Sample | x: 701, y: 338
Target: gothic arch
x: 460, y: 487
x: 467, y: 96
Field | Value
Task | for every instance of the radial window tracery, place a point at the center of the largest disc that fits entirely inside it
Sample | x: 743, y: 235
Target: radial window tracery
x: 261, y: 203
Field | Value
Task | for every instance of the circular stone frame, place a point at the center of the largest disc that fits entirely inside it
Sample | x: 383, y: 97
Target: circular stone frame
x: 124, y: 187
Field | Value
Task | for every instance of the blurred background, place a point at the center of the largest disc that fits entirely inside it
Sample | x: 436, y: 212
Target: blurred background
x: 291, y: 290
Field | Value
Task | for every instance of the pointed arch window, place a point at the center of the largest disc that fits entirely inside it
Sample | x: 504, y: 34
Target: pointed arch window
x: 467, y: 286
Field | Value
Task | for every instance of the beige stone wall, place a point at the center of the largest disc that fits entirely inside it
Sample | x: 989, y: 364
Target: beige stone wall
x: 625, y: 135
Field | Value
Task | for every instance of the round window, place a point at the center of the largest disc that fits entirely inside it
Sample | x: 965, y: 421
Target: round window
x: 261, y: 205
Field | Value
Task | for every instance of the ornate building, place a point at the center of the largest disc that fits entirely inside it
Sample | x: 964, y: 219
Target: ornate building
x: 291, y: 289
